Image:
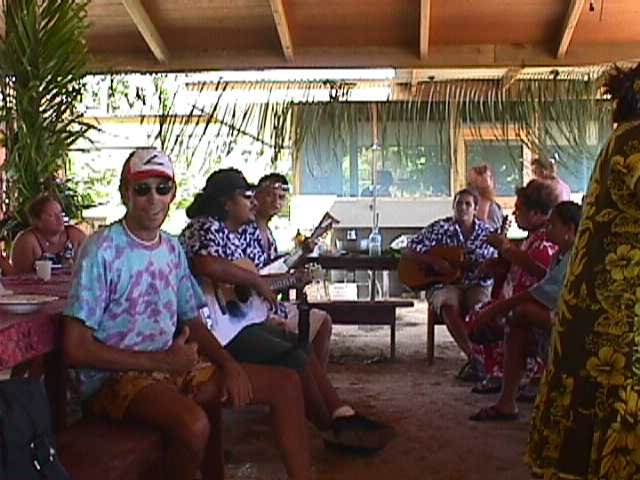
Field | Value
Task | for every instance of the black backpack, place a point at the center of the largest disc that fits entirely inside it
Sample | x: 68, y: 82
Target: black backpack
x: 27, y: 446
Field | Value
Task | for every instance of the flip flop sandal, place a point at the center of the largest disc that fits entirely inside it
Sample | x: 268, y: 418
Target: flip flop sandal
x: 527, y: 394
x: 463, y: 371
x: 492, y: 414
x: 488, y: 386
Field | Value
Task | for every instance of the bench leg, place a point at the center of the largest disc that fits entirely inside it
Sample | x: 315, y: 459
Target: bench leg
x: 431, y: 335
x: 392, y: 325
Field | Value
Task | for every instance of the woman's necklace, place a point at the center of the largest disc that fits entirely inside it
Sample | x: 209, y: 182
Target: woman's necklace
x: 49, y: 242
x: 146, y: 243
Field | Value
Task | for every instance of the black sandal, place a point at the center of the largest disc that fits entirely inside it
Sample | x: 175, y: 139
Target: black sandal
x: 488, y: 386
x: 492, y: 414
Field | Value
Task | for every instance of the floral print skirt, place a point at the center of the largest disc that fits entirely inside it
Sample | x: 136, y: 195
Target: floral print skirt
x: 586, y: 421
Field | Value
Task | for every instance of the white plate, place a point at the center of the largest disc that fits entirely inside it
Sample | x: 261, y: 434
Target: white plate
x: 21, y: 303
x: 21, y: 308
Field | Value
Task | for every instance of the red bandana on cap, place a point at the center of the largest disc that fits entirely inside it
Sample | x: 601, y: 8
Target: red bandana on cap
x: 148, y: 162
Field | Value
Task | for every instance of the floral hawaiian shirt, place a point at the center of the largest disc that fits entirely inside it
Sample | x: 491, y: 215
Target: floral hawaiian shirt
x: 446, y: 232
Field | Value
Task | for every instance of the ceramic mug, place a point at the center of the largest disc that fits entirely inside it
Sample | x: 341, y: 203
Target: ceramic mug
x: 43, y: 269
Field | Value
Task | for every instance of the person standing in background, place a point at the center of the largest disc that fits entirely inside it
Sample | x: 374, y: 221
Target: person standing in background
x: 481, y: 180
x: 545, y: 169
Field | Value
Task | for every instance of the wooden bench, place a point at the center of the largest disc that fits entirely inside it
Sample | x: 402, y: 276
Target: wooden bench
x: 433, y: 319
x: 365, y: 312
x: 96, y: 448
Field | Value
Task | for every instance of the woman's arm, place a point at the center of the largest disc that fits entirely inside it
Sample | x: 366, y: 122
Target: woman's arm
x: 23, y: 253
x: 5, y: 266
x: 522, y: 259
x: 76, y: 236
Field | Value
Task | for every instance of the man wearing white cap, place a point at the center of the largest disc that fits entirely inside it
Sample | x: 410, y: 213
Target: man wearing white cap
x: 133, y: 327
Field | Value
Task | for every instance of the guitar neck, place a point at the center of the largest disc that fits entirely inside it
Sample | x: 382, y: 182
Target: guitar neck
x: 280, y: 282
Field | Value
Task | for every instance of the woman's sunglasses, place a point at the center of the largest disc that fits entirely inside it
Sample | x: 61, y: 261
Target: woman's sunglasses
x: 144, y: 189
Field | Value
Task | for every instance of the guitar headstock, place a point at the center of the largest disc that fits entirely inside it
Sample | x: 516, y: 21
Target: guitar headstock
x: 326, y: 223
x: 505, y: 224
x: 302, y: 277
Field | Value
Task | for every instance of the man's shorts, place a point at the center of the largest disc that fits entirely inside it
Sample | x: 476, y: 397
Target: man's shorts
x: 117, y: 392
x: 267, y: 344
x: 316, y: 319
x: 464, y: 297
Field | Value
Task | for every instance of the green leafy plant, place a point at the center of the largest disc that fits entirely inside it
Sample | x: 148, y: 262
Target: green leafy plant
x: 43, y: 60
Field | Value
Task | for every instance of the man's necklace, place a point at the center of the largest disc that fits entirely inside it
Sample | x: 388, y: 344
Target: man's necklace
x: 146, y: 243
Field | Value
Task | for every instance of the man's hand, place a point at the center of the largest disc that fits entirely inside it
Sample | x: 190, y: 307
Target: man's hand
x: 262, y: 288
x: 236, y: 387
x: 497, y: 241
x: 486, y: 316
x: 182, y: 355
x: 442, y: 267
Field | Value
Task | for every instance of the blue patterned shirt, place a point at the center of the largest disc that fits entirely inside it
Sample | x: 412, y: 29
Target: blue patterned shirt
x: 446, y: 232
x: 209, y: 236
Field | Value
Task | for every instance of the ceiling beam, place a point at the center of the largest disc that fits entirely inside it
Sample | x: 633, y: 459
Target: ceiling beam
x: 282, y: 25
x: 425, y: 14
x: 570, y: 22
x: 440, y: 56
x: 147, y: 29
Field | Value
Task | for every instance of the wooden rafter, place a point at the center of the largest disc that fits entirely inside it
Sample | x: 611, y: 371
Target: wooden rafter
x: 570, y: 22
x: 440, y: 56
x: 147, y: 29
x: 282, y: 25
x: 425, y: 14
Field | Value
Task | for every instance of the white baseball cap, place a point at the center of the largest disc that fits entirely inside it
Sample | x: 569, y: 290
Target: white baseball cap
x: 149, y: 162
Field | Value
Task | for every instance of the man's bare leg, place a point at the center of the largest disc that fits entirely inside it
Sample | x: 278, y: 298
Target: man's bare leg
x: 455, y: 324
x: 514, y: 363
x: 183, y: 421
x: 322, y: 342
x: 279, y: 388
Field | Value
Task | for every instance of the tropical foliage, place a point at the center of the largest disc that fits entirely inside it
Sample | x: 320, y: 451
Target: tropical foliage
x: 42, y: 59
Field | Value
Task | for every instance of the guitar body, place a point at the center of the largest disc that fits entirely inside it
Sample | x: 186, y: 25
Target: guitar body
x: 416, y: 276
x: 228, y: 293
x: 240, y: 302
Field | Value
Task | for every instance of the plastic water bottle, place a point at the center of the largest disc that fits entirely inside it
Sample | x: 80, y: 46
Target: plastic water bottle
x: 375, y: 243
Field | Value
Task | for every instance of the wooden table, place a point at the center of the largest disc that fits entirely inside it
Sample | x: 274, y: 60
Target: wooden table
x: 27, y: 336
x: 29, y: 343
x: 353, y: 263
x: 365, y: 312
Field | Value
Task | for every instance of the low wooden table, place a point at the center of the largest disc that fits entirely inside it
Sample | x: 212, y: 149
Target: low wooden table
x: 365, y: 312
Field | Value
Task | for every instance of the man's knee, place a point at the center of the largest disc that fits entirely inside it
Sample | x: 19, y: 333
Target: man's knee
x: 326, y: 326
x: 191, y: 427
x: 287, y: 385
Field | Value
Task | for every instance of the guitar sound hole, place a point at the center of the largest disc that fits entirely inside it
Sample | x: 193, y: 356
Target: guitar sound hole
x: 235, y: 309
x: 243, y: 294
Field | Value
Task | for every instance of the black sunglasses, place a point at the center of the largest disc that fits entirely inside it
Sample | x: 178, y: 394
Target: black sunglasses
x: 144, y: 189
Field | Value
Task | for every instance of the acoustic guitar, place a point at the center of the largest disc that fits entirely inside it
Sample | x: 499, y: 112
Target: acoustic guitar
x: 239, y: 301
x: 285, y: 263
x: 417, y: 277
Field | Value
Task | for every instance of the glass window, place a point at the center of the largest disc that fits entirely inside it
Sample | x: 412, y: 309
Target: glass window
x: 504, y: 157
x: 405, y: 167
